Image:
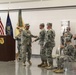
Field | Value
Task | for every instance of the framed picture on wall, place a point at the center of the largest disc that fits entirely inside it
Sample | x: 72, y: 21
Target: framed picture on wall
x: 64, y: 25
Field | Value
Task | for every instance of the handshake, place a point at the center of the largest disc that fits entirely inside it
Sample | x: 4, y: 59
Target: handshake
x: 37, y: 38
x: 34, y: 41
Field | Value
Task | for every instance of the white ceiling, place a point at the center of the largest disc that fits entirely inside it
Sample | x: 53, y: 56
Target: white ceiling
x: 17, y: 1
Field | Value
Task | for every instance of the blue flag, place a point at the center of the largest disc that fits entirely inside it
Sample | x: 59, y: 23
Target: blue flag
x: 8, y: 28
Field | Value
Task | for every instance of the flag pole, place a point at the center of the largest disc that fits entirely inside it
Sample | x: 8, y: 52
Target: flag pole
x: 20, y: 24
x: 9, y: 6
x: 9, y: 28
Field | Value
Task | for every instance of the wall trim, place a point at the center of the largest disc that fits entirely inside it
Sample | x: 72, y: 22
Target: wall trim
x: 42, y: 8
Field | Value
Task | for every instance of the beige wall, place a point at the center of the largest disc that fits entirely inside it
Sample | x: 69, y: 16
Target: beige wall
x: 36, y: 17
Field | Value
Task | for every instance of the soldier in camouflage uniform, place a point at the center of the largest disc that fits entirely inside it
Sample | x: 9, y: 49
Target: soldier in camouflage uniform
x: 75, y: 53
x: 60, y: 60
x: 65, y: 35
x: 68, y: 56
x: 49, y: 45
x: 69, y: 50
x: 26, y: 44
x: 69, y: 34
x: 74, y: 37
x: 18, y: 38
x: 41, y: 39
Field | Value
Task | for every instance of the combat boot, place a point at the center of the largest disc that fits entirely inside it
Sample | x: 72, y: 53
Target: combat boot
x: 40, y: 64
x: 44, y: 65
x: 54, y: 69
x: 29, y: 62
x: 49, y: 67
x: 59, y: 71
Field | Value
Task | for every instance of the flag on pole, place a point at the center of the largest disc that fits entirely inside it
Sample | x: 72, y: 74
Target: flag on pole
x: 20, y: 21
x: 20, y: 24
x: 1, y: 28
x: 8, y: 28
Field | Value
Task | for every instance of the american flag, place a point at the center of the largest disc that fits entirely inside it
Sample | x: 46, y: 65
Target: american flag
x: 1, y: 28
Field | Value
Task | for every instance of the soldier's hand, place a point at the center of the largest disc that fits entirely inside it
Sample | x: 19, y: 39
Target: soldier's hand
x: 36, y: 36
x: 61, y: 46
x: 17, y: 27
x: 74, y: 36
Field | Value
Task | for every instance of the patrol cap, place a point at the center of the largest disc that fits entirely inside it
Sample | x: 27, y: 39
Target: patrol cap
x: 68, y: 39
x: 49, y: 24
x: 42, y: 24
x: 27, y: 24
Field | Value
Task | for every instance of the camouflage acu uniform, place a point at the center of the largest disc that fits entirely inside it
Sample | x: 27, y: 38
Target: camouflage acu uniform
x: 49, y: 45
x: 41, y: 39
x: 68, y: 54
x: 75, y: 54
x: 69, y: 34
x: 74, y: 47
x: 60, y: 65
x: 60, y: 59
x: 63, y: 38
x: 18, y: 38
x: 26, y: 44
x: 69, y: 50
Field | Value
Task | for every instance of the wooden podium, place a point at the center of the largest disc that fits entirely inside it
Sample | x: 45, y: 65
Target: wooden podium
x: 7, y: 48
